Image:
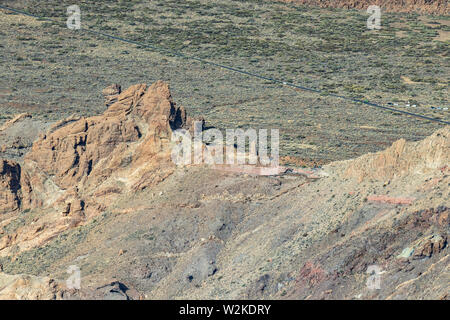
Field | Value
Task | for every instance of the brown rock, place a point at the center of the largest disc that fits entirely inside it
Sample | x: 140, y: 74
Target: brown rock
x: 111, y: 94
x: 130, y: 141
x: 81, y: 164
x: 402, y: 159
x: 24, y: 287
x: 7, y: 240
x: 77, y: 208
x: 429, y: 246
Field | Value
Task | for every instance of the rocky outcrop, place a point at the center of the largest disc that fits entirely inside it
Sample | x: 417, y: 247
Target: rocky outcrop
x: 111, y: 94
x: 123, y: 148
x: 25, y: 287
x: 429, y: 245
x: 402, y: 159
x: 81, y: 164
x: 78, y: 168
x: 420, y: 6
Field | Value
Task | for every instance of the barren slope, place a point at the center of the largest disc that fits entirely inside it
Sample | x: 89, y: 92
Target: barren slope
x: 139, y: 227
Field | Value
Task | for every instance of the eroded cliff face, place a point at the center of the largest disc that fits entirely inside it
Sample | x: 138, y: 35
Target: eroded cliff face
x: 419, y: 6
x: 113, y: 152
x: 81, y: 164
x: 402, y: 159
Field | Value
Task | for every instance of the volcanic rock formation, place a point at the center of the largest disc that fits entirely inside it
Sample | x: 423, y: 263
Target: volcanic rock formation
x: 80, y: 163
x: 403, y: 158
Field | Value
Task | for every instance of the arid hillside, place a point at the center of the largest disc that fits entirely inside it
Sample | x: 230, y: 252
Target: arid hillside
x: 101, y: 194
x: 419, y: 6
x: 51, y: 72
